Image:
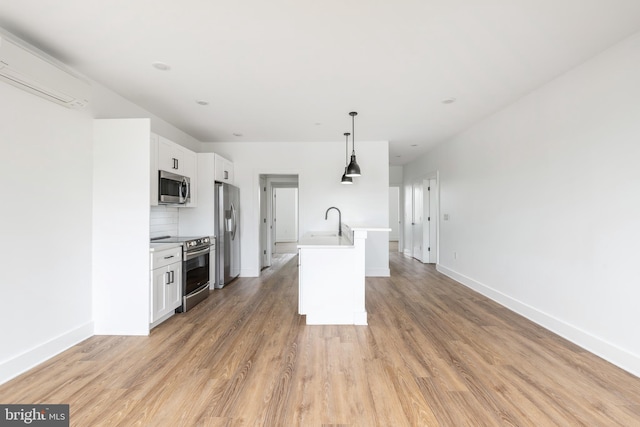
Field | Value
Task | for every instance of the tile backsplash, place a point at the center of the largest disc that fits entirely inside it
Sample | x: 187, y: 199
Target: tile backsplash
x: 164, y: 221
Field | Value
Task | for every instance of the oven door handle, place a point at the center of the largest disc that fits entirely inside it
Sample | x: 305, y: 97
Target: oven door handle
x: 192, y: 255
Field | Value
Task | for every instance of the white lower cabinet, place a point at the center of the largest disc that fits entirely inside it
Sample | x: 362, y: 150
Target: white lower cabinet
x: 166, y: 284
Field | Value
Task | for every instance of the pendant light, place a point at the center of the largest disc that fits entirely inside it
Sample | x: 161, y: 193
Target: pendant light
x: 353, y: 169
x: 346, y: 179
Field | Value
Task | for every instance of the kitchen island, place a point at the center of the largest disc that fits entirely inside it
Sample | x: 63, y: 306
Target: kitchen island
x: 331, y: 277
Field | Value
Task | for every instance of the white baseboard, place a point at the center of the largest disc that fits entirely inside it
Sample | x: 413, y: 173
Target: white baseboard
x: 377, y: 272
x: 11, y: 368
x: 620, y: 357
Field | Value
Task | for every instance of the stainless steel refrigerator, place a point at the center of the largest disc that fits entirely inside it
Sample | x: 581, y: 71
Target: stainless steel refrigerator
x: 227, y: 232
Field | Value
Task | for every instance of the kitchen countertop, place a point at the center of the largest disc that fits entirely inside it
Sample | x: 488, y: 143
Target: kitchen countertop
x: 162, y: 246
x: 326, y: 240
x: 365, y: 228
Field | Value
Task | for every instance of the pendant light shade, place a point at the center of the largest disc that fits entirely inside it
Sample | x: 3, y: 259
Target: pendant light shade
x: 353, y: 169
x: 346, y: 179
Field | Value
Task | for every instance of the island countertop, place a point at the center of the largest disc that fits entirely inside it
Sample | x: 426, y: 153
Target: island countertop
x: 368, y: 228
x: 329, y: 239
x: 325, y: 240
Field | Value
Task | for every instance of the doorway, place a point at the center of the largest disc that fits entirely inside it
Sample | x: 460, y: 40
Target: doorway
x: 278, y: 217
x: 421, y: 219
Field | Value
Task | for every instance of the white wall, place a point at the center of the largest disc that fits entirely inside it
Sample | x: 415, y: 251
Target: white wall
x: 319, y: 167
x: 544, y: 205
x: 395, y: 175
x: 46, y: 229
x: 121, y: 227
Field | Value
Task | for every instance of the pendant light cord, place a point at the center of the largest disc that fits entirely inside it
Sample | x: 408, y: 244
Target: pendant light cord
x: 353, y: 169
x: 353, y: 132
x: 346, y: 148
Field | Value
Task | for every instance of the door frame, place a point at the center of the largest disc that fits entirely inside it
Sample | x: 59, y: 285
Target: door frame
x: 266, y: 225
x: 432, y: 230
x: 262, y: 191
x: 400, y: 214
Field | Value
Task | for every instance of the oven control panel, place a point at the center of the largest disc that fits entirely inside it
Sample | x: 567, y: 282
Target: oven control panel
x: 197, y: 243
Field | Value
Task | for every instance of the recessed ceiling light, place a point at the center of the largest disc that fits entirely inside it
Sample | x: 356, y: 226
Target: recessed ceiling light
x: 161, y: 66
x: 202, y: 102
x: 237, y: 134
x: 448, y: 100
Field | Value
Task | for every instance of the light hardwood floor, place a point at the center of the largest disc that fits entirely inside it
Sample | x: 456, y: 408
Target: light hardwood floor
x: 286, y: 248
x: 434, y: 354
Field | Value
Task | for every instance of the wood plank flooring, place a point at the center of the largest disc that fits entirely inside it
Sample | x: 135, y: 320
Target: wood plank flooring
x: 434, y: 354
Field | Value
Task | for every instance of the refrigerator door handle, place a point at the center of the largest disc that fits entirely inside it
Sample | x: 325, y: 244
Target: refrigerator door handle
x: 233, y: 220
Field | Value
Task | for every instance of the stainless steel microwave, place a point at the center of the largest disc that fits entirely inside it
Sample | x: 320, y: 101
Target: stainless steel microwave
x: 173, y: 189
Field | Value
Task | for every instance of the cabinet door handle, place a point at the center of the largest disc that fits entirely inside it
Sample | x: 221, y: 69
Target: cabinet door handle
x: 167, y: 280
x: 226, y: 174
x: 175, y: 163
x: 169, y: 257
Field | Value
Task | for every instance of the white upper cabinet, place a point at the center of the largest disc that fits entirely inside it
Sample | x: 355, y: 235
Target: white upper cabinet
x: 175, y: 158
x: 223, y: 170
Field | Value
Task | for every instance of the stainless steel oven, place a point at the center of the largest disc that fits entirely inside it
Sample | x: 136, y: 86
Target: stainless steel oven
x: 196, y: 261
x: 195, y: 272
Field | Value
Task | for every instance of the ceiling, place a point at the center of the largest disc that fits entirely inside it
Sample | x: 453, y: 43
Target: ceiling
x: 292, y: 70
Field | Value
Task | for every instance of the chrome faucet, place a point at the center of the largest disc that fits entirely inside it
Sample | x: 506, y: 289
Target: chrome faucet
x: 326, y: 214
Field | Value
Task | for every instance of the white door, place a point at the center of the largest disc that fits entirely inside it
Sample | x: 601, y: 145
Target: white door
x: 429, y: 221
x: 264, y: 258
x: 418, y: 214
x: 272, y: 231
x: 408, y: 220
x: 433, y: 221
x: 394, y: 213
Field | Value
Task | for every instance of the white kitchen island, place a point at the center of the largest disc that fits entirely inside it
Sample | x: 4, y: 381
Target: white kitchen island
x: 331, y: 277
